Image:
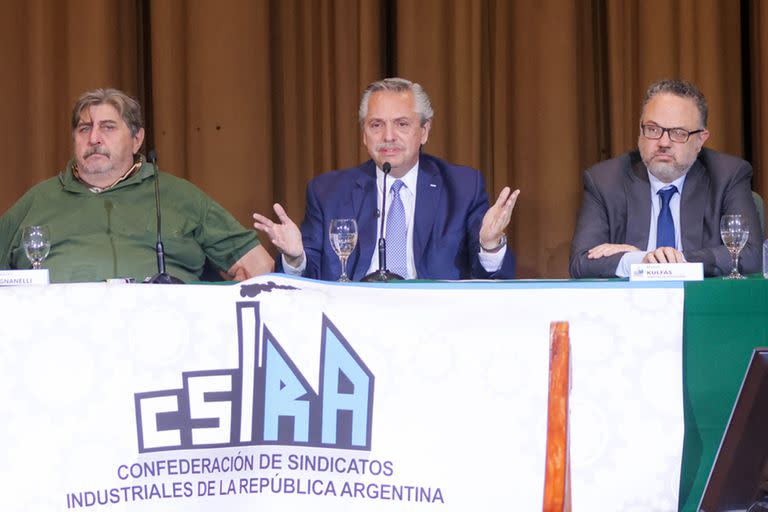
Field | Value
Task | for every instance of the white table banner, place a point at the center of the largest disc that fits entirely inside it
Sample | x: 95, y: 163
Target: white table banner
x: 293, y: 395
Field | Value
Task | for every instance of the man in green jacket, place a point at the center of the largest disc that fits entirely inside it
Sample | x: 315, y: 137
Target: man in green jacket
x: 101, y: 209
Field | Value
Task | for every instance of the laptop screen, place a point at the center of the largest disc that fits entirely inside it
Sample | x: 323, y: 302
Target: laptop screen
x: 739, y: 476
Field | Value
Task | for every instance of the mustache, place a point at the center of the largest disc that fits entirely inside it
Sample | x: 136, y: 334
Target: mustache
x: 385, y: 146
x: 96, y: 150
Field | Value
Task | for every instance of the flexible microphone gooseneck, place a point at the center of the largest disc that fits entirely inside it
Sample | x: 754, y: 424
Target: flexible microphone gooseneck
x: 162, y: 277
x: 383, y: 275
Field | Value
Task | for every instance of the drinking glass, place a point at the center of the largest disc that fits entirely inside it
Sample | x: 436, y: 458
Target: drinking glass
x: 734, y: 231
x: 343, y: 234
x: 765, y: 259
x: 36, y: 241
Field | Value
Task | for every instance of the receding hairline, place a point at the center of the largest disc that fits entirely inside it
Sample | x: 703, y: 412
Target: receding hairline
x: 409, y: 93
x: 86, y: 111
x: 690, y: 100
x: 681, y: 89
x: 422, y: 105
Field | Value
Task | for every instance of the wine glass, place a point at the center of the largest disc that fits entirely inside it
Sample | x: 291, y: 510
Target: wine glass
x: 734, y: 231
x: 343, y: 233
x: 36, y: 241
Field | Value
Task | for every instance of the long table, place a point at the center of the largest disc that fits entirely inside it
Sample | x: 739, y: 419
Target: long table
x: 612, y: 323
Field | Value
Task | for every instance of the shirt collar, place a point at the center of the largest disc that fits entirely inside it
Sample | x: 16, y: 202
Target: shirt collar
x: 138, y: 161
x: 657, y: 184
x: 409, y: 179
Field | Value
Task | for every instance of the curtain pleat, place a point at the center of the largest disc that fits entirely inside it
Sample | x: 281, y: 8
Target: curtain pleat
x: 250, y: 99
x: 51, y: 52
x: 758, y: 105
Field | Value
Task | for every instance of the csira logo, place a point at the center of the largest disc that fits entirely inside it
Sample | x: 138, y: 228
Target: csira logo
x: 266, y: 400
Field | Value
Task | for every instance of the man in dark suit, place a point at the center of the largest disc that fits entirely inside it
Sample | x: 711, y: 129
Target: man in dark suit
x: 663, y: 202
x: 438, y: 225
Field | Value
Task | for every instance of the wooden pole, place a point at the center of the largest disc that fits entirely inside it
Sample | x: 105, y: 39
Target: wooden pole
x: 557, y: 479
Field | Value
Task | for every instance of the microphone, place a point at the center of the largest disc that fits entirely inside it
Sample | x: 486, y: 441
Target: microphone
x: 108, y: 207
x: 162, y: 277
x: 383, y: 275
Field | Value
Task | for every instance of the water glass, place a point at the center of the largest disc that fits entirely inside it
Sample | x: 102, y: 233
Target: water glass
x: 734, y: 231
x: 36, y: 241
x: 343, y: 234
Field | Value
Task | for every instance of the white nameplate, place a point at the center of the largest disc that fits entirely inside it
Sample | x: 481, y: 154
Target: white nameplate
x: 24, y: 277
x: 666, y: 272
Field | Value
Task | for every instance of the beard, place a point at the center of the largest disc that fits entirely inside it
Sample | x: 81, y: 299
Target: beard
x: 666, y: 171
x: 94, y: 168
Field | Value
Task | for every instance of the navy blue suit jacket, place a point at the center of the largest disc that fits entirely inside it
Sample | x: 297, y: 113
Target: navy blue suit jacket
x: 450, y: 204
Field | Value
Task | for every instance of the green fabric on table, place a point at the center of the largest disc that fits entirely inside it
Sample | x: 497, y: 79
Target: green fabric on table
x: 724, y: 320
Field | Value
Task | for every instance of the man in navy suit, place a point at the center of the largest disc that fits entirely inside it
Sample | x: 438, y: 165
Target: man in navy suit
x: 446, y: 229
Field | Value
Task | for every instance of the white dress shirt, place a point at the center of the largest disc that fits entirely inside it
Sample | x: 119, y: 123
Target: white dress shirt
x: 408, y: 197
x: 622, y: 270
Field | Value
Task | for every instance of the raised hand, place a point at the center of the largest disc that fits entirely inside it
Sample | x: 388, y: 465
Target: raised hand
x: 284, y: 234
x: 497, y: 217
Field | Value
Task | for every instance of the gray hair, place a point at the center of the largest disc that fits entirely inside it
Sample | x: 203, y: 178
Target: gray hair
x: 422, y: 105
x: 128, y: 107
x: 682, y: 89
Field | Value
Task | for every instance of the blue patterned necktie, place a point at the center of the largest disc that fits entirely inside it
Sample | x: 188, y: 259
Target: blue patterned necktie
x: 397, y: 234
x: 665, y: 227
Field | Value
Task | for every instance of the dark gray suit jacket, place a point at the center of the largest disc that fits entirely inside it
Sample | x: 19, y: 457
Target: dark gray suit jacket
x: 616, y: 209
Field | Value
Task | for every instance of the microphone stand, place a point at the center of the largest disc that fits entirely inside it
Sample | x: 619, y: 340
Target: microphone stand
x: 383, y: 275
x: 162, y: 277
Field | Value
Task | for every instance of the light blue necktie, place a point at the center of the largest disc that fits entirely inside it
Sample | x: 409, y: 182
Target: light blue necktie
x: 665, y: 227
x: 397, y: 234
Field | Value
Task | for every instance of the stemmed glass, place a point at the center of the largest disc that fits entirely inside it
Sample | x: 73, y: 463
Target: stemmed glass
x: 343, y: 234
x: 36, y: 241
x: 734, y: 231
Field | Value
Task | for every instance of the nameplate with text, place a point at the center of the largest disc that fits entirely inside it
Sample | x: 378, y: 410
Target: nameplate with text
x: 24, y: 277
x: 666, y: 272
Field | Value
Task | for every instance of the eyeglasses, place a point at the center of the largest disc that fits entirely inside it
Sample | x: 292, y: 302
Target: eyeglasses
x: 655, y: 132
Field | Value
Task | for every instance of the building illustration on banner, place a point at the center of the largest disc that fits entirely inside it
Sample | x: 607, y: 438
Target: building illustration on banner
x: 266, y: 400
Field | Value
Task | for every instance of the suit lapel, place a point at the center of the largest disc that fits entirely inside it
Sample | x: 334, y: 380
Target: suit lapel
x: 364, y: 196
x: 692, y: 205
x: 638, y: 191
x: 429, y: 188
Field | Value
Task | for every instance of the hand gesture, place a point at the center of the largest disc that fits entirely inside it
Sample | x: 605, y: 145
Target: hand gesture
x: 497, y: 217
x: 284, y: 234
